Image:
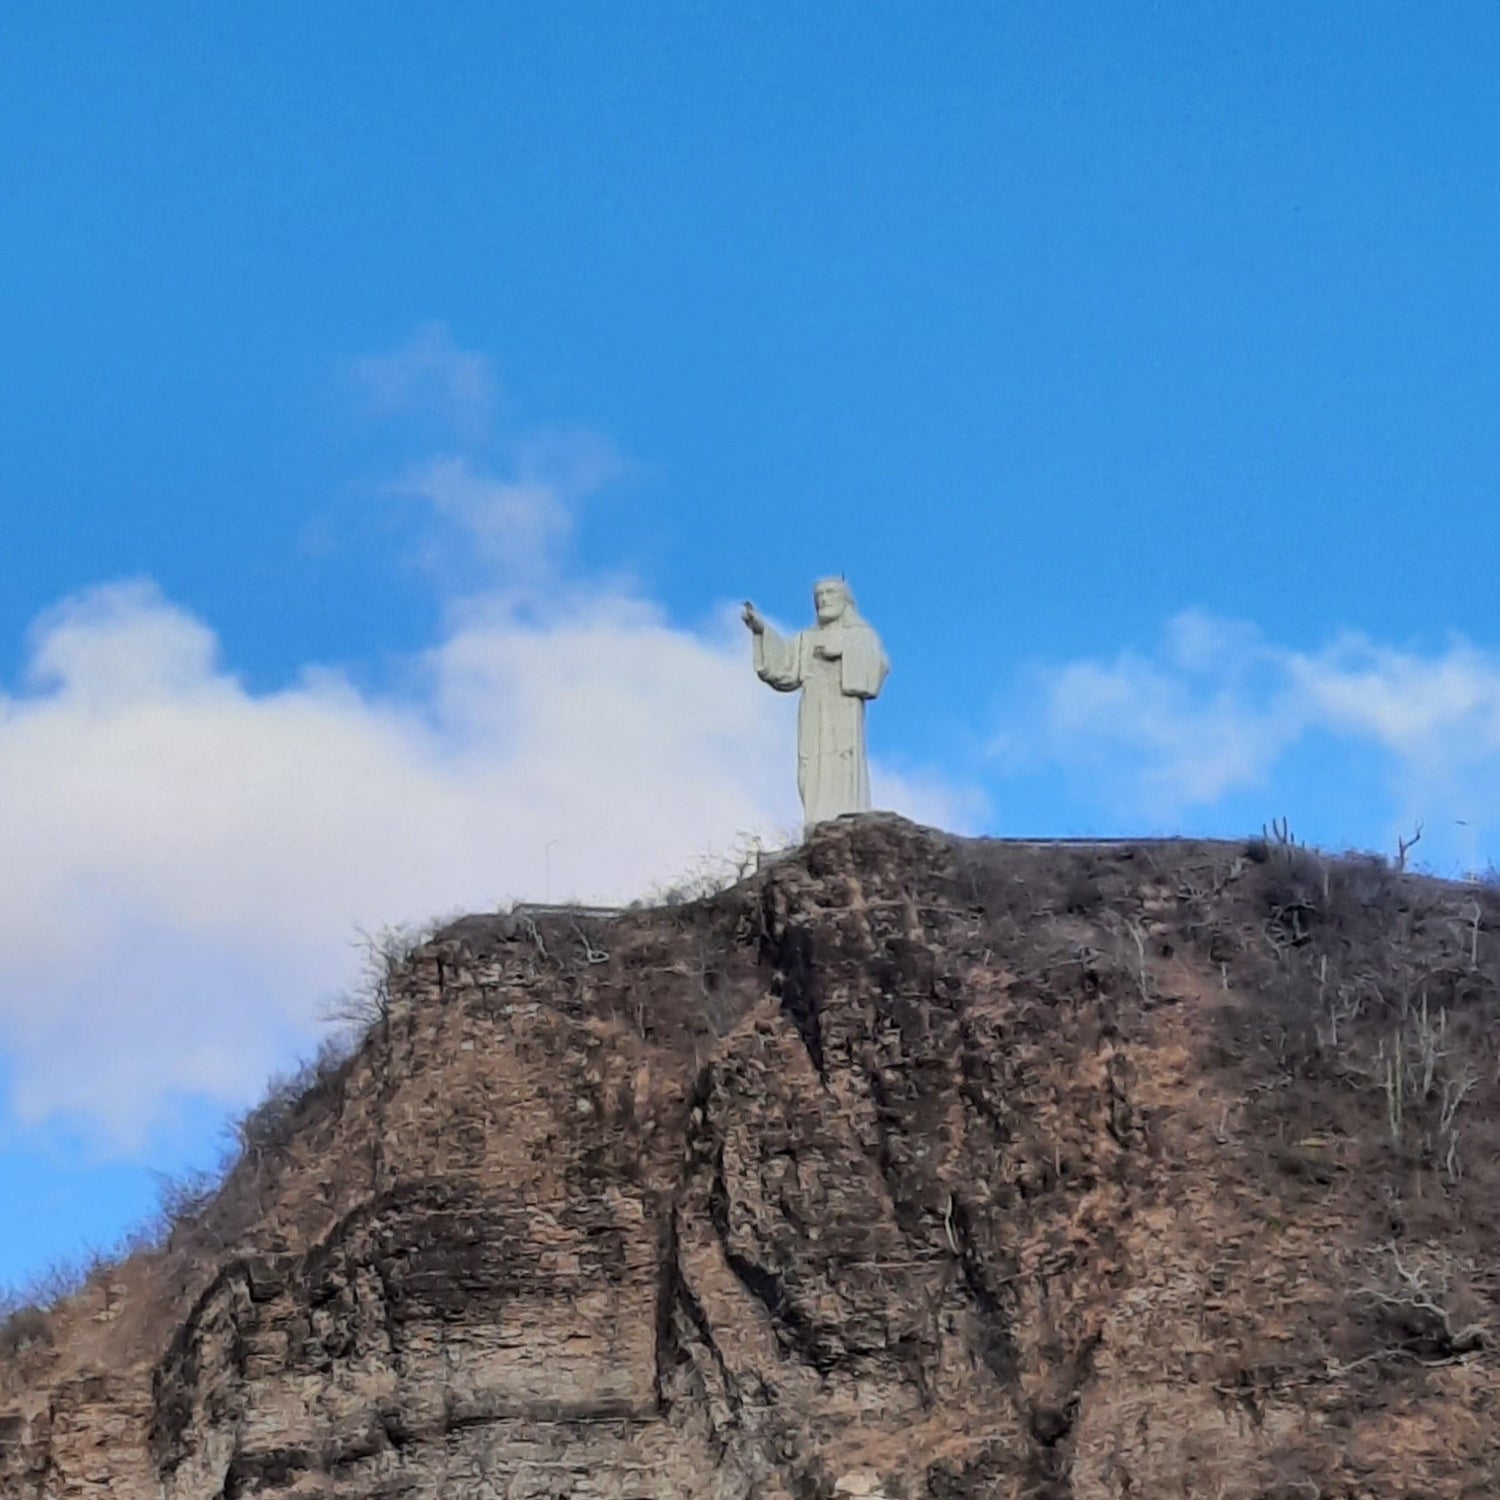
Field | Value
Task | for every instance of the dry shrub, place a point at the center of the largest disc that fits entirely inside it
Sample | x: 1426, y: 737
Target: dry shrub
x: 22, y: 1329
x: 28, y: 1313
x: 1421, y: 1303
x: 366, y: 1001
x: 202, y: 1214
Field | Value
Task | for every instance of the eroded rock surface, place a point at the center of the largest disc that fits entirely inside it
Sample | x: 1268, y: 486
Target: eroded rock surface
x: 914, y: 1167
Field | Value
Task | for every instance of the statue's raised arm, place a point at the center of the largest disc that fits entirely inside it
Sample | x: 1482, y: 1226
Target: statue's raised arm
x: 838, y: 664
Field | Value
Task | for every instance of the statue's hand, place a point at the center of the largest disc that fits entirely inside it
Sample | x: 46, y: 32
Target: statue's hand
x: 751, y: 616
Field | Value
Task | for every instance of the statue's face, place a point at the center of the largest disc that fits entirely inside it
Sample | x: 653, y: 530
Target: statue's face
x: 828, y: 600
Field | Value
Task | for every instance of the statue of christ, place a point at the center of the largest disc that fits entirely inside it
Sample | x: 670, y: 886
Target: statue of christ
x: 838, y: 665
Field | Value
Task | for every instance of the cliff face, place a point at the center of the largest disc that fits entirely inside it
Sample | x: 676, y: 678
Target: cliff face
x: 913, y: 1167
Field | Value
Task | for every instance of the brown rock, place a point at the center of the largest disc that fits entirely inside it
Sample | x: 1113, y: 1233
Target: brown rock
x: 914, y: 1167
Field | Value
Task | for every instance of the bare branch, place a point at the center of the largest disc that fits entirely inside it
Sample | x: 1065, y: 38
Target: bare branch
x: 1404, y: 846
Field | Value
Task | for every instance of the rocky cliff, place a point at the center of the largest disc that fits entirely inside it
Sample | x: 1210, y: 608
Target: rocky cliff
x: 914, y: 1167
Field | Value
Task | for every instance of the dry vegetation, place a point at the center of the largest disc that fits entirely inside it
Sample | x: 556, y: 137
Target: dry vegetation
x: 200, y: 1216
x: 1358, y: 1037
x: 203, y: 1217
x: 1358, y: 1031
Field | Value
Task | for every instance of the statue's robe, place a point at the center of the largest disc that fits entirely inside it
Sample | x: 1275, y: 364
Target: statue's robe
x: 833, y: 772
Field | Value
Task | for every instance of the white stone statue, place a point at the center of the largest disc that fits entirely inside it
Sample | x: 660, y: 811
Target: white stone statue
x: 838, y: 664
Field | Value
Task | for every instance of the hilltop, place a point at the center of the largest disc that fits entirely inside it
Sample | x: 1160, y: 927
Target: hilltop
x: 913, y: 1166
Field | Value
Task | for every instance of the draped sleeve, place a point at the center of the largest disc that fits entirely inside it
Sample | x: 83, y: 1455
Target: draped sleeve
x: 864, y: 662
x: 778, y: 660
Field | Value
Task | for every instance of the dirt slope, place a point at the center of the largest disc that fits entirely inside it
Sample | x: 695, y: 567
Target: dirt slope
x: 915, y: 1167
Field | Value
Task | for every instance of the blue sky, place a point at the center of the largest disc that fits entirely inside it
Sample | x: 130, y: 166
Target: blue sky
x: 396, y: 400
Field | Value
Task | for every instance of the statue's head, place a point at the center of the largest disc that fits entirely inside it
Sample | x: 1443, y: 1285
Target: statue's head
x: 832, y: 600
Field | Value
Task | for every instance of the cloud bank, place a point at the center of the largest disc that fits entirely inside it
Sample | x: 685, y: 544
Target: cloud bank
x: 430, y: 375
x: 188, y: 861
x: 1219, y: 709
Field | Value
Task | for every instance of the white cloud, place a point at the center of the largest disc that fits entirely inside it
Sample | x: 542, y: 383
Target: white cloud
x: 507, y: 531
x: 110, y: 645
x: 1218, y: 708
x: 430, y: 375
x: 1431, y: 709
x: 515, y: 525
x: 1179, y: 730
x: 187, y: 860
